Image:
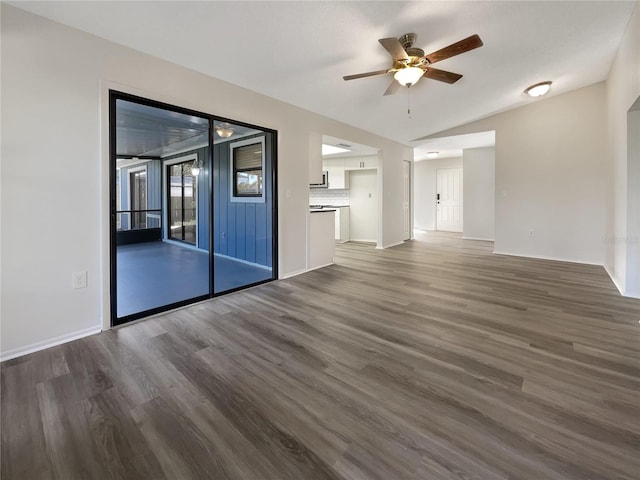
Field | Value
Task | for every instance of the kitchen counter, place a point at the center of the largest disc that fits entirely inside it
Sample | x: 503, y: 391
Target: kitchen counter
x: 321, y: 242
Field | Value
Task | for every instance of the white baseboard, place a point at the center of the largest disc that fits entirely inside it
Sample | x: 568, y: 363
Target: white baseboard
x: 615, y: 281
x: 480, y: 238
x: 320, y: 266
x: 392, y: 245
x: 543, y: 257
x: 293, y: 274
x: 51, y: 342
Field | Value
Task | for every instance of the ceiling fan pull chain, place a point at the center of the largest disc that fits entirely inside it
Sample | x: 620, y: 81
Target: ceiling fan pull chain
x: 409, y: 101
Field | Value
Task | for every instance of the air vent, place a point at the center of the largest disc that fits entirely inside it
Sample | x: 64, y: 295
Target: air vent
x: 343, y: 145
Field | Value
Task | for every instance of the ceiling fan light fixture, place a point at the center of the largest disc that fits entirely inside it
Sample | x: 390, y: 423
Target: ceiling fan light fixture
x: 408, y: 76
x: 538, y: 89
x: 224, y: 130
x: 432, y: 154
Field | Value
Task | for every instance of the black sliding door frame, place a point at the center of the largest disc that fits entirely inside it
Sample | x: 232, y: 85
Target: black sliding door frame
x: 114, y: 96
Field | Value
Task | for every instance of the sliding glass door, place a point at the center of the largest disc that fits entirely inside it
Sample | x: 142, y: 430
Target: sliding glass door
x: 183, y: 203
x: 193, y: 206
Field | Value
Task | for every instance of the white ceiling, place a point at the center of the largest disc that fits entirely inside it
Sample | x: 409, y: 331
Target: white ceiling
x: 298, y: 51
x: 354, y: 149
x: 454, y: 145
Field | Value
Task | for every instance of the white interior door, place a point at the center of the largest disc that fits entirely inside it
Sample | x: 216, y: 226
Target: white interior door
x: 406, y: 195
x: 449, y: 199
x: 363, y: 201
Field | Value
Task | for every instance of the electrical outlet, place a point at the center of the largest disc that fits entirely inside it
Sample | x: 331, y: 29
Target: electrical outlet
x: 78, y: 280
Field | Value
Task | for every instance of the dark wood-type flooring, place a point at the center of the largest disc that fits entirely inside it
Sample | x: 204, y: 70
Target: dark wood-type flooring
x: 433, y: 360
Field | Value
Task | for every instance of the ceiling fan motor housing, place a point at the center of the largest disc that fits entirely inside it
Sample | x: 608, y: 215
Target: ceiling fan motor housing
x: 416, y: 55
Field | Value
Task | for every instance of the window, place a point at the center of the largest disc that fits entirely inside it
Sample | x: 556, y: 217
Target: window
x: 247, y: 165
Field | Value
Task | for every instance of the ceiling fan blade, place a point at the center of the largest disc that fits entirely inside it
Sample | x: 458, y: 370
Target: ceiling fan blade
x: 392, y: 89
x: 442, y: 75
x: 363, y: 75
x: 454, y: 49
x: 394, y: 47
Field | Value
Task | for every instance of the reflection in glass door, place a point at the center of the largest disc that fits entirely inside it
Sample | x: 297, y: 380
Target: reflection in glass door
x: 182, y: 202
x: 138, y: 185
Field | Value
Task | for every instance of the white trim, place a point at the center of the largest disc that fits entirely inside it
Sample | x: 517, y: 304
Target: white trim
x: 197, y: 146
x: 242, y: 143
x: 616, y: 282
x: 319, y: 266
x: 362, y: 240
x: 480, y: 238
x: 51, y: 342
x: 293, y: 274
x: 392, y: 245
x: 541, y: 257
x: 246, y: 262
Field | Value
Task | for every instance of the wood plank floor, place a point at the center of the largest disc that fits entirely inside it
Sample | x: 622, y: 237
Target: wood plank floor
x: 431, y: 360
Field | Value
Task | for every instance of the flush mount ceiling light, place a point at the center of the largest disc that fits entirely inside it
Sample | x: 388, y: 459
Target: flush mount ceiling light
x: 432, y: 154
x: 330, y: 149
x: 409, y: 76
x: 224, y: 130
x: 538, y: 89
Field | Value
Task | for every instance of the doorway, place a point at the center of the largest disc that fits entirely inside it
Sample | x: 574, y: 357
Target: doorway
x: 406, y: 200
x: 449, y: 199
x: 632, y: 283
x: 182, y: 202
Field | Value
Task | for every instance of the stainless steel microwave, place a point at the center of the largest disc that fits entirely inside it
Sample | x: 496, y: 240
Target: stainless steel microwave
x: 324, y: 181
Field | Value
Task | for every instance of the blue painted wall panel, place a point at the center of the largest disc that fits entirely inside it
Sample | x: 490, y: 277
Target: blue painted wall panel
x: 244, y: 229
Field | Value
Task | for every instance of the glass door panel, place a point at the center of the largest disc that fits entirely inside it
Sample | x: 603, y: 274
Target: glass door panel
x: 183, y: 201
x: 138, y: 183
x: 243, y: 206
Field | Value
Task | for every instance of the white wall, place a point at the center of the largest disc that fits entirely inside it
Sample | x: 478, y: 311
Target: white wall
x: 479, y: 193
x: 55, y: 83
x: 424, y: 191
x: 622, y: 90
x: 550, y: 168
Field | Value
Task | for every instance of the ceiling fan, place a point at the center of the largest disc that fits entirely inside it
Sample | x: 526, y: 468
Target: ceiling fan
x: 410, y: 64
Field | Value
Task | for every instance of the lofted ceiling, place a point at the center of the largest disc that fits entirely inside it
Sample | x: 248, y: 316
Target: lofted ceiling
x: 298, y: 52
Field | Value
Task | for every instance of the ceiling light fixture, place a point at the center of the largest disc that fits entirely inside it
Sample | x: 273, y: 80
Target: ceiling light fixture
x: 432, y: 154
x: 196, y: 166
x: 224, y: 130
x: 409, y: 76
x: 538, y: 89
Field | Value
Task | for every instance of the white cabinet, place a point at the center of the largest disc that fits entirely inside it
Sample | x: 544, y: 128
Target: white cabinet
x: 357, y: 163
x: 342, y: 224
x: 336, y: 172
x: 338, y: 168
